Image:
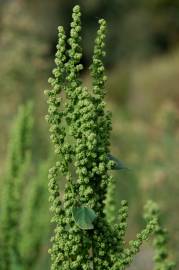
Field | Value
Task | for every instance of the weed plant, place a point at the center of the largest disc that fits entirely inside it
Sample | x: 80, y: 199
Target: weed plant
x: 80, y: 126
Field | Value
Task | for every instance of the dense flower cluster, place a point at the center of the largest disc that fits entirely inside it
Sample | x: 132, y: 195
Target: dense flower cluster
x: 80, y: 130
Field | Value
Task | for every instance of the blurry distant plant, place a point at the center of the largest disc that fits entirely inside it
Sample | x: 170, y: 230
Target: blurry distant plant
x: 161, y: 257
x: 24, y: 222
x: 34, y: 220
x: 11, y: 206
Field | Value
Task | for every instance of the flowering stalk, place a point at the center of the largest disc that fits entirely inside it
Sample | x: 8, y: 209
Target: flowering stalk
x: 80, y: 131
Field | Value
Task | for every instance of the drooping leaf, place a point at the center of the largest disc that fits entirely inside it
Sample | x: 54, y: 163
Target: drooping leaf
x: 119, y: 165
x: 84, y: 217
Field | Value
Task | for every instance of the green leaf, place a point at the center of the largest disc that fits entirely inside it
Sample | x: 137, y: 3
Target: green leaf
x: 84, y: 217
x: 119, y: 165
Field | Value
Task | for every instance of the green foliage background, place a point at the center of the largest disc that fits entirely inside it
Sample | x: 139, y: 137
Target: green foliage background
x: 143, y: 70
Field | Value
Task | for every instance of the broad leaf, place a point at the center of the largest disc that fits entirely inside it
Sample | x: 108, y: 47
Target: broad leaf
x: 119, y: 165
x: 84, y: 217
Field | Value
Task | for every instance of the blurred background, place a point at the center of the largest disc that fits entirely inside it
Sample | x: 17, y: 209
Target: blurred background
x: 143, y: 76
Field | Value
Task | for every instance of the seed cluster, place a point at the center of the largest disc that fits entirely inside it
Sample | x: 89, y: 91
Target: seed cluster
x: 80, y: 131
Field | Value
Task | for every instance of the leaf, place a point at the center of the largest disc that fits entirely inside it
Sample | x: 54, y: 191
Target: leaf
x: 84, y: 217
x: 119, y: 165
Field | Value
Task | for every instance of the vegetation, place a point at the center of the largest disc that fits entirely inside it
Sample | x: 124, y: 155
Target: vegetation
x: 142, y: 67
x: 161, y: 258
x: 80, y: 132
x: 12, y: 188
x: 24, y: 224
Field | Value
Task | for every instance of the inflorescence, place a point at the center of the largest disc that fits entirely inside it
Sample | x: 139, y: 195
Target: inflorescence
x: 80, y: 132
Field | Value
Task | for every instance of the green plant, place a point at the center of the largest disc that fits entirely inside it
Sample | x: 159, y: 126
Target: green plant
x: 24, y: 222
x: 80, y: 132
x: 17, y: 164
x: 34, y: 220
x: 161, y: 258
